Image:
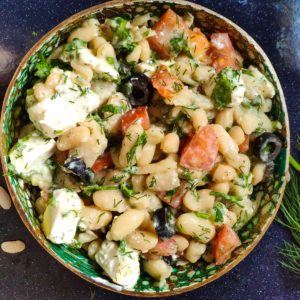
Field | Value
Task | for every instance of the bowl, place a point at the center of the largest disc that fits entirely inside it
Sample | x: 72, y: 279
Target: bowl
x: 184, y: 278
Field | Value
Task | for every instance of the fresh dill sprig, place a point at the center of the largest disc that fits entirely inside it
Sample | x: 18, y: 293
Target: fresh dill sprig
x: 290, y: 208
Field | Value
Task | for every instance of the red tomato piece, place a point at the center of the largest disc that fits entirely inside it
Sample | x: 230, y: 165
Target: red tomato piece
x: 244, y: 147
x: 165, y: 83
x: 163, y: 248
x: 102, y: 162
x: 223, y: 54
x: 224, y: 243
x: 201, y: 151
x: 138, y: 115
x: 175, y: 200
x: 198, y: 44
x: 168, y: 26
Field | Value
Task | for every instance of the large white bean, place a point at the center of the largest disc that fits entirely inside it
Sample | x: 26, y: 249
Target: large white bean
x: 85, y: 71
x: 155, y: 134
x: 222, y: 187
x: 94, y: 218
x: 158, y: 269
x: 237, y: 134
x: 73, y: 138
x: 258, y: 172
x: 88, y: 31
x: 240, y: 162
x: 225, y: 118
x: 199, y: 201
x: 93, y: 248
x: 227, y: 146
x: 199, y: 118
x: 194, y: 251
x: 146, y: 155
x: 161, y: 166
x: 111, y: 200
x: 145, y: 200
x: 133, y: 131
x: 145, y: 50
x: 223, y: 173
x: 200, y: 229
x: 41, y: 91
x: 138, y: 183
x: 125, y: 224
x: 170, y: 143
x: 165, y: 181
x: 142, y: 240
x: 135, y: 55
x: 181, y: 241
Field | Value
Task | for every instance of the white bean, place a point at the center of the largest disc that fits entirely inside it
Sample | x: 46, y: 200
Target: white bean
x: 135, y: 55
x: 170, y: 143
x: 222, y: 187
x: 94, y: 218
x: 199, y: 201
x: 125, y: 224
x: 237, y: 134
x: 5, y: 201
x: 165, y: 181
x: 111, y: 200
x: 146, y: 155
x: 142, y: 240
x: 258, y: 172
x: 199, y: 118
x: 225, y: 118
x: 200, y: 229
x: 145, y: 200
x: 194, y: 251
x: 158, y: 269
x: 93, y: 248
x: 138, y: 183
x: 181, y: 241
x: 223, y: 173
x: 155, y: 134
x: 145, y: 50
x: 13, y: 246
x: 240, y: 162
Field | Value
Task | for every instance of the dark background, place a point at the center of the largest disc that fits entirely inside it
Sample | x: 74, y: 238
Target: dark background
x: 33, y: 274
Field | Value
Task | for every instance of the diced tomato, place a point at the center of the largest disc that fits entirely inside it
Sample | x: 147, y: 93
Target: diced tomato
x: 198, y: 44
x: 201, y: 151
x: 102, y: 162
x: 168, y: 26
x: 60, y: 156
x: 244, y: 147
x: 222, y: 52
x: 224, y: 243
x: 163, y: 248
x: 176, y: 199
x: 138, y: 115
x: 165, y: 83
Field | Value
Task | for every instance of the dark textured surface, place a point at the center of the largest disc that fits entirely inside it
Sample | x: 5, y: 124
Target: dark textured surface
x: 33, y: 274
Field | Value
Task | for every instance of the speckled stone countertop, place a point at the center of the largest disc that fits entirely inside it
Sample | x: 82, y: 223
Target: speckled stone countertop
x: 33, y: 274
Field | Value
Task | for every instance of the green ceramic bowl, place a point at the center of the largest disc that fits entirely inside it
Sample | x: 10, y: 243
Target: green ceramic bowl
x: 184, y: 278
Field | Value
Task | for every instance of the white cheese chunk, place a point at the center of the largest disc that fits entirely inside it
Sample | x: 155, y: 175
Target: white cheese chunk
x: 29, y: 159
x: 72, y: 101
x: 61, y: 216
x: 257, y: 84
x: 121, y: 265
x: 98, y: 64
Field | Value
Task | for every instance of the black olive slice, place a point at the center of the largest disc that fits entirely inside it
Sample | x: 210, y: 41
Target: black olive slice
x: 164, y: 222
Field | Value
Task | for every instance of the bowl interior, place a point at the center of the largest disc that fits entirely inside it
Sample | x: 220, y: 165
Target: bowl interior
x: 14, y: 116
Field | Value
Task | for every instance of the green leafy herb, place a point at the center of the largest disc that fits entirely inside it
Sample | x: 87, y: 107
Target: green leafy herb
x: 71, y: 50
x: 290, y: 207
x: 177, y: 87
x: 123, y: 39
x: 141, y: 141
x: 230, y: 198
x: 126, y: 189
x: 247, y: 72
x: 34, y: 33
x: 152, y: 182
x: 57, y: 131
x: 90, y: 189
x: 60, y: 64
x: 122, y: 247
x: 178, y: 44
x: 114, y: 109
x: 172, y: 192
x: 293, y: 161
x: 42, y: 68
x: 256, y: 102
x: 218, y: 208
x: 226, y: 81
x: 92, y: 293
x: 202, y: 215
x: 110, y: 60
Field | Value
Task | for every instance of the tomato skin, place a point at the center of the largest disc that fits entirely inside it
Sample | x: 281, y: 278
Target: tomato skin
x: 201, y: 151
x: 163, y: 248
x: 198, y: 44
x: 164, y: 82
x: 224, y: 243
x: 139, y: 115
x: 244, y: 147
x: 169, y: 25
x: 176, y: 200
x: 102, y: 162
x: 223, y: 54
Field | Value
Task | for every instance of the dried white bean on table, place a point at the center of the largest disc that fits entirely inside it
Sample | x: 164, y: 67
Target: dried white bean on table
x: 5, y: 201
x: 13, y: 246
